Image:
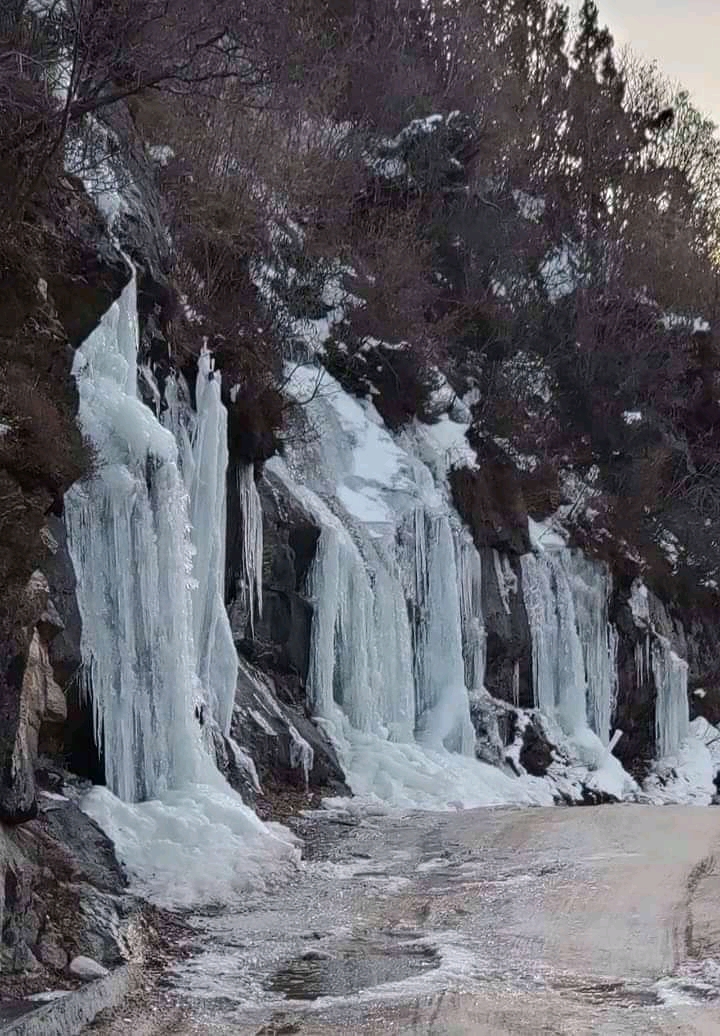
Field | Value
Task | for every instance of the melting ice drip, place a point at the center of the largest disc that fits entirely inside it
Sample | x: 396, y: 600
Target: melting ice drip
x: 574, y: 648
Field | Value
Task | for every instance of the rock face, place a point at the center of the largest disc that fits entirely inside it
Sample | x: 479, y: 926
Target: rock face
x: 281, y: 642
x: 53, y: 297
x: 38, y: 710
x: 287, y: 748
x: 62, y: 892
x: 509, y: 648
x: 271, y: 721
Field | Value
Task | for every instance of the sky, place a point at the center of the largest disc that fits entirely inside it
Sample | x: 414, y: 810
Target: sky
x: 683, y: 35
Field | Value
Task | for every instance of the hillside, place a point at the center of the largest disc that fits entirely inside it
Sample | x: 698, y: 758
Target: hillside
x: 359, y: 431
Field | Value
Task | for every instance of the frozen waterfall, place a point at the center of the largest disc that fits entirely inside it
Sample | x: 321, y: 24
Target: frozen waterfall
x: 672, y: 718
x: 128, y: 537
x: 397, y: 635
x: 574, y: 647
x: 153, y: 624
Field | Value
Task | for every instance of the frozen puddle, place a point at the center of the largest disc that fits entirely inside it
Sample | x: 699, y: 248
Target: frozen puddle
x: 360, y: 964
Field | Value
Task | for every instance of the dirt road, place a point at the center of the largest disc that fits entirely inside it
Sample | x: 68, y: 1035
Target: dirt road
x: 547, y: 921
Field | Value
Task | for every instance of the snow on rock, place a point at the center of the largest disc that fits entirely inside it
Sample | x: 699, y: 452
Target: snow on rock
x: 545, y: 535
x: 686, y: 777
x: 632, y: 416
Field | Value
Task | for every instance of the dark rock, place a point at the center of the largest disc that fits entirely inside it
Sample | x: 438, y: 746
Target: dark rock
x: 489, y: 739
x: 53, y: 296
x: 509, y: 646
x: 635, y: 706
x: 490, y: 501
x: 536, y: 753
x: 282, y: 633
x: 285, y: 745
x: 80, y: 749
x: 237, y: 767
x: 62, y: 892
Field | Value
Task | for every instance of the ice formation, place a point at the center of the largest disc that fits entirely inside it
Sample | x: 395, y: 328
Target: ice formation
x: 591, y: 587
x: 671, y: 708
x: 153, y: 624
x: 397, y: 635
x: 469, y: 570
x: 201, y: 435
x: 558, y: 664
x: 252, y: 553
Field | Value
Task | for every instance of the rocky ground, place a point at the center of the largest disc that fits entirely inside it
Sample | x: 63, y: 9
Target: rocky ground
x: 554, y: 921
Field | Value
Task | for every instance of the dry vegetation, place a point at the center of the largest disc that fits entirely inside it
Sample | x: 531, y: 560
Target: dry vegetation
x: 562, y: 212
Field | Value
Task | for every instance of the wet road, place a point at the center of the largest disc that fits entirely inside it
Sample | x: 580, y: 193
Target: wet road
x: 588, y: 920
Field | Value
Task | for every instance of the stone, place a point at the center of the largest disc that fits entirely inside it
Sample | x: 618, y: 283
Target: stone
x: 536, y: 753
x: 49, y: 949
x: 508, y: 646
x: 86, y: 968
x: 284, y: 744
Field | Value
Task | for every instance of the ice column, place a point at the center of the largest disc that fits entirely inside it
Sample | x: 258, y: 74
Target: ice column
x: 671, y: 705
x: 442, y: 705
x: 591, y: 587
x: 128, y: 537
x: 558, y: 663
x: 252, y: 554
x: 469, y: 571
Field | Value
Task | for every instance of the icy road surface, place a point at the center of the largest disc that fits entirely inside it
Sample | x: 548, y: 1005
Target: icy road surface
x: 544, y: 921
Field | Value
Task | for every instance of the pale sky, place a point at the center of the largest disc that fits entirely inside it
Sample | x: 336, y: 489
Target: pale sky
x: 683, y: 35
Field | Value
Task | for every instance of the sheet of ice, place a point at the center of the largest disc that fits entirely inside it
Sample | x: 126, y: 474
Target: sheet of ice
x: 407, y: 775
x: 686, y: 777
x: 193, y: 846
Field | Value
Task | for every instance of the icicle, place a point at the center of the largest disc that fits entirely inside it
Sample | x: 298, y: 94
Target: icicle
x: 558, y: 663
x: 252, y: 554
x: 591, y: 587
x: 469, y: 570
x: 442, y: 705
x: 516, y: 684
x: 671, y: 704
